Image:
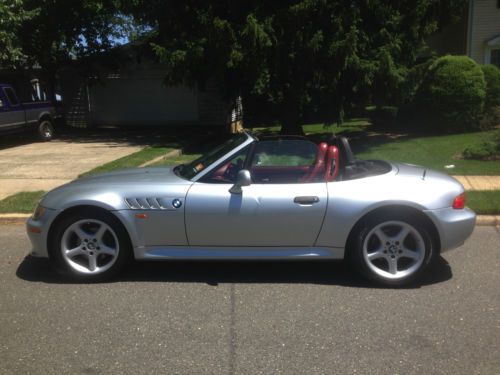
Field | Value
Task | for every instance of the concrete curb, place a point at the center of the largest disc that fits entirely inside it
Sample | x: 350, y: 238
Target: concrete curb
x: 484, y: 220
x: 14, y: 218
x: 176, y: 152
x: 18, y: 218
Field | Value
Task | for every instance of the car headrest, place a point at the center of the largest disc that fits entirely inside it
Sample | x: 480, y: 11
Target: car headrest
x: 332, y: 163
x: 345, y: 151
x: 322, y: 148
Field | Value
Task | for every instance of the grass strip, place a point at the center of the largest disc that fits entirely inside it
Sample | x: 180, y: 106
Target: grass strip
x: 130, y: 161
x: 176, y: 160
x: 485, y: 202
x: 24, y: 202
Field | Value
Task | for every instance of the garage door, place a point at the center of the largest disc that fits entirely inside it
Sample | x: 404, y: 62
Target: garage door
x: 123, y: 101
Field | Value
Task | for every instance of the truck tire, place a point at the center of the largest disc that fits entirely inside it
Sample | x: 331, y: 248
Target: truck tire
x: 45, y: 130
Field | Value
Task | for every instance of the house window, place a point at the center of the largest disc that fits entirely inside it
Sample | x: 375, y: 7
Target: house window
x: 495, y: 57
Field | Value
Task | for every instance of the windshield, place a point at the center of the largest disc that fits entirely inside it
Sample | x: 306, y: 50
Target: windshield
x: 191, y: 169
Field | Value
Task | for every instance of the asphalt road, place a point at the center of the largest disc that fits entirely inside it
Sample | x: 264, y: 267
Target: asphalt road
x: 251, y: 318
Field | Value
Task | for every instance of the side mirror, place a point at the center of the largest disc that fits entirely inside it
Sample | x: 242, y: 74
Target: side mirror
x: 242, y: 179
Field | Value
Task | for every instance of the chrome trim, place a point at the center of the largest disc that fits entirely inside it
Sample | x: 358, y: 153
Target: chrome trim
x: 154, y: 203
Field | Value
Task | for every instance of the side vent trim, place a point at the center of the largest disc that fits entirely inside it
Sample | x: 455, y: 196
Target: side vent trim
x: 154, y: 203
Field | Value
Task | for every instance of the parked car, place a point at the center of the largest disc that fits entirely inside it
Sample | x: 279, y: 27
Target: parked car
x: 16, y: 116
x: 257, y: 199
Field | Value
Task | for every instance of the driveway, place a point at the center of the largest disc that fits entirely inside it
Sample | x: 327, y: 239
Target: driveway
x: 45, y: 165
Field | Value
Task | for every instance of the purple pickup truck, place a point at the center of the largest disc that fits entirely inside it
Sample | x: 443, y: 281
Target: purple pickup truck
x: 17, y: 116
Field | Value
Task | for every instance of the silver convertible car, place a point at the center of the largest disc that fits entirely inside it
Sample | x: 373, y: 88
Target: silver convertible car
x: 256, y: 198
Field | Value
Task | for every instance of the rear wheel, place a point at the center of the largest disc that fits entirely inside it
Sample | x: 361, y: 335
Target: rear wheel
x: 392, y: 251
x: 91, y: 246
x: 45, y: 130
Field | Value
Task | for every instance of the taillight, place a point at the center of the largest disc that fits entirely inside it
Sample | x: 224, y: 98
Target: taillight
x: 459, y: 202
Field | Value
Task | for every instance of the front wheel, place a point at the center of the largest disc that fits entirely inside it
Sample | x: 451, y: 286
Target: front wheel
x: 45, y: 130
x: 90, y: 246
x: 392, y: 251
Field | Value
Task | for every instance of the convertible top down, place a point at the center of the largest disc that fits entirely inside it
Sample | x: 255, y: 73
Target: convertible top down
x: 257, y: 198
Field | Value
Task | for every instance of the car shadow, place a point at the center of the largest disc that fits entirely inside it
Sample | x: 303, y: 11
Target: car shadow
x: 220, y: 272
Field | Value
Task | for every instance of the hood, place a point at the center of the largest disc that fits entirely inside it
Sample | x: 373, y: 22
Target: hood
x: 164, y: 175
x: 109, y: 190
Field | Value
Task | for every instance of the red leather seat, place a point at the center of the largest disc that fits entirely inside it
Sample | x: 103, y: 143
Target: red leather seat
x: 332, y: 163
x: 319, y: 166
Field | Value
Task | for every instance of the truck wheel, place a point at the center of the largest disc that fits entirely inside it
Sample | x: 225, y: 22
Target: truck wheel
x: 45, y: 130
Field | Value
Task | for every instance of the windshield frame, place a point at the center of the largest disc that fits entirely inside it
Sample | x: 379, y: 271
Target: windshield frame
x: 250, y: 139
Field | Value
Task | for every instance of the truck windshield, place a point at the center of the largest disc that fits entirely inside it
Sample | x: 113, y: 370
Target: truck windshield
x: 191, y: 169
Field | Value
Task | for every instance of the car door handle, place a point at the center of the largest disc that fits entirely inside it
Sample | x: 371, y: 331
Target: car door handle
x: 306, y: 200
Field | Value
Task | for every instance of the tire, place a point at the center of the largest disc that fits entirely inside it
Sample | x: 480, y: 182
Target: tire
x: 45, y: 130
x: 90, y: 245
x: 391, y: 250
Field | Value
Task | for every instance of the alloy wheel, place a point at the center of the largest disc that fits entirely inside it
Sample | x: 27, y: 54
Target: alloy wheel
x: 89, y: 246
x: 394, y: 250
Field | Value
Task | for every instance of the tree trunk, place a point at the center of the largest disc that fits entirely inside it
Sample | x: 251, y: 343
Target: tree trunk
x: 290, y: 118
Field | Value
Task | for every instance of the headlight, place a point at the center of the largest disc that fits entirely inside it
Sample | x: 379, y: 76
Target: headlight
x: 39, y: 211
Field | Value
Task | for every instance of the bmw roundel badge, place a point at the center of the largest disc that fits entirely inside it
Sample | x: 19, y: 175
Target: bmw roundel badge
x: 176, y: 203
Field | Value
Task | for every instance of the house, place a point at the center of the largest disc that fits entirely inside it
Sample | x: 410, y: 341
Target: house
x: 132, y: 93
x: 483, y: 34
x: 476, y: 34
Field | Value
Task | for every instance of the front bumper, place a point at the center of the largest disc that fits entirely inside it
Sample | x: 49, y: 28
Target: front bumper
x: 38, y: 231
x: 454, y: 226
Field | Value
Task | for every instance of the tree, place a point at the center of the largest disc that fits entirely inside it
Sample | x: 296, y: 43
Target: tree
x: 49, y: 33
x: 62, y: 30
x: 304, y: 55
x: 12, y: 16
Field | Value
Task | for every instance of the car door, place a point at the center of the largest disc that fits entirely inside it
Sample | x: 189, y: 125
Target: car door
x: 278, y: 209
x: 11, y: 111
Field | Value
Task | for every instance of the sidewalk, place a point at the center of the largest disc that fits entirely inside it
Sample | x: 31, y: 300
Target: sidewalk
x: 479, y: 182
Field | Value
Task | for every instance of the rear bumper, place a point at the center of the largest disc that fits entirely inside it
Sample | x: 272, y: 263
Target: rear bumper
x: 454, y: 226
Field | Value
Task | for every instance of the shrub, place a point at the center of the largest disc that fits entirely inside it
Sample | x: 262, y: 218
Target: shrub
x: 488, y: 150
x: 452, y: 94
x: 492, y: 78
x: 491, y: 115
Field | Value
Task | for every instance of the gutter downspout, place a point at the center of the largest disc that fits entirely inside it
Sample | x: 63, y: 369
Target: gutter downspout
x: 469, y: 28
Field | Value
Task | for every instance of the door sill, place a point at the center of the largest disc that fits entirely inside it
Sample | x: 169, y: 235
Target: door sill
x: 236, y: 253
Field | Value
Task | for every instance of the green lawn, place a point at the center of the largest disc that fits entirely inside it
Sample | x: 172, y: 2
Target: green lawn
x: 176, y: 160
x: 434, y: 152
x: 484, y: 202
x: 130, y: 161
x: 24, y: 202
x: 431, y: 151
x: 318, y: 130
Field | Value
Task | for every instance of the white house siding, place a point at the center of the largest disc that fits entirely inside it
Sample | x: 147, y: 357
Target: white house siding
x: 484, y: 25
